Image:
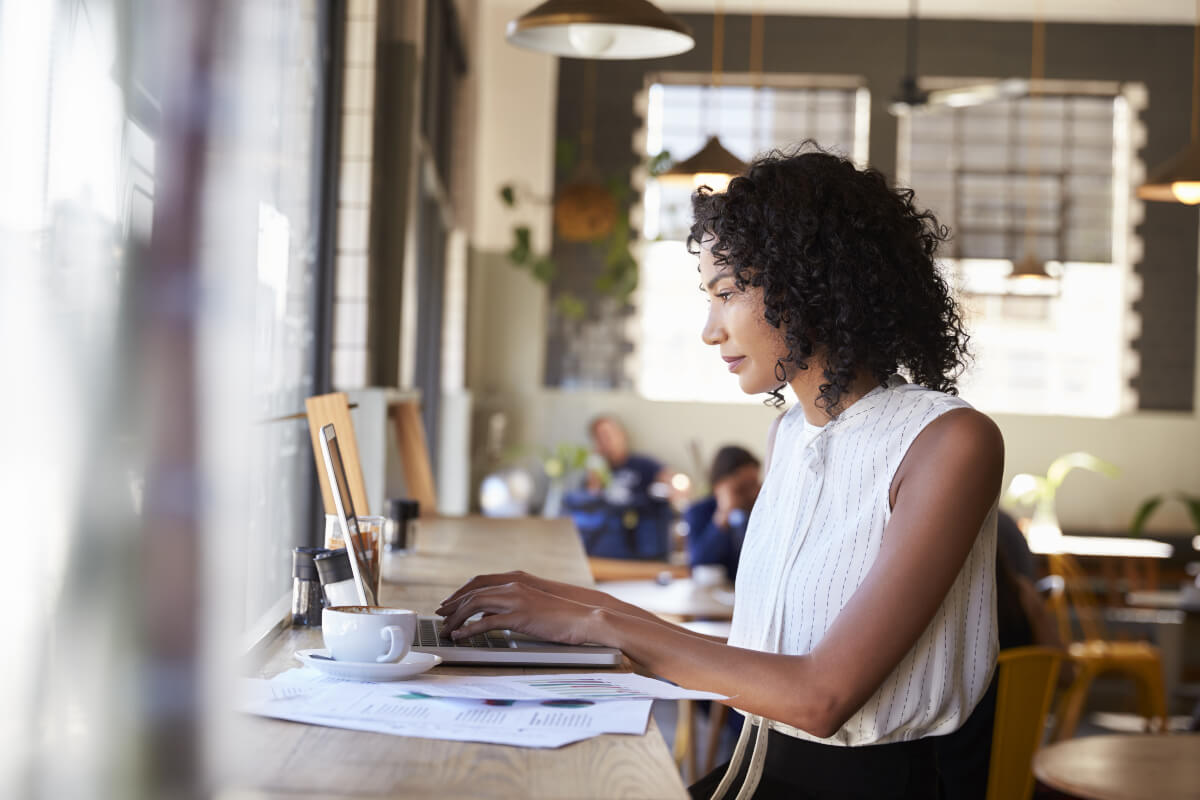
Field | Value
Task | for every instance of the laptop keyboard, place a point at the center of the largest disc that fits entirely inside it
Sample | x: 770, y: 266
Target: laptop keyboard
x: 429, y: 634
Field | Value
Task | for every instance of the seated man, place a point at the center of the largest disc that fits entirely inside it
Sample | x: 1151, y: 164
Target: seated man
x: 626, y: 514
x: 717, y: 524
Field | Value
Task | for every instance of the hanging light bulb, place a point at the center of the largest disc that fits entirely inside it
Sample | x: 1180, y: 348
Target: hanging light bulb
x: 608, y: 29
x: 591, y: 40
x: 1186, y: 192
x: 1178, y: 180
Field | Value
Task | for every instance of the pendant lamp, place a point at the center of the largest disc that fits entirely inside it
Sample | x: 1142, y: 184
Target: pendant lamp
x: 608, y: 29
x: 1029, y: 275
x: 1178, y: 180
x: 1030, y: 278
x: 712, y: 165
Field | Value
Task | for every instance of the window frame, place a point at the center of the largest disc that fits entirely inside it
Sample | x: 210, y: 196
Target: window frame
x: 1127, y: 211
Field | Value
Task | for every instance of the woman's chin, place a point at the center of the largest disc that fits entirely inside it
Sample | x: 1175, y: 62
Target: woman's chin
x: 750, y: 386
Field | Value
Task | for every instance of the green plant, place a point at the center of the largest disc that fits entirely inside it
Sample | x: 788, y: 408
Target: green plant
x: 618, y: 277
x: 1152, y: 503
x: 1038, y: 491
x: 563, y: 459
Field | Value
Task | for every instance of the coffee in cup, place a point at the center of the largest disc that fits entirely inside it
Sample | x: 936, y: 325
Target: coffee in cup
x: 368, y: 633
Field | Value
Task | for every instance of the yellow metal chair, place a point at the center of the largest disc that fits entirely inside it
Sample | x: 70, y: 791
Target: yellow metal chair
x: 1027, y: 676
x: 1095, y: 654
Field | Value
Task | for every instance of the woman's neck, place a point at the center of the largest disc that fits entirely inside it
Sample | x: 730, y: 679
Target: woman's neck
x: 806, y: 383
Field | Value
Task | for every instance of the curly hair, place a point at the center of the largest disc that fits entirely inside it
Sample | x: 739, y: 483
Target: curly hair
x: 846, y: 264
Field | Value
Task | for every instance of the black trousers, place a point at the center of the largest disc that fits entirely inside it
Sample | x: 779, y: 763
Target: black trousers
x: 950, y: 767
x: 797, y: 769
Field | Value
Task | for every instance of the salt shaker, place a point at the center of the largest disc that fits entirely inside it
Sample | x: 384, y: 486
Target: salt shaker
x: 306, y: 586
x: 337, y: 578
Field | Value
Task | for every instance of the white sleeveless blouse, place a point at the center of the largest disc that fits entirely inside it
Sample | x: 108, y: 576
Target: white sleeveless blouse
x: 815, y: 532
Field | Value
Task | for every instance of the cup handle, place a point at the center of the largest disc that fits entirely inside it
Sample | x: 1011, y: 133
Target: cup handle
x: 399, y: 645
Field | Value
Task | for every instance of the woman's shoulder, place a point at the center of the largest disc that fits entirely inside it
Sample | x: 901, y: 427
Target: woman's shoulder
x: 961, y: 436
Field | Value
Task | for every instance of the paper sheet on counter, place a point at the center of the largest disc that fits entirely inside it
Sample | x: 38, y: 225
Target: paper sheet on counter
x: 605, y: 686
x: 303, y: 695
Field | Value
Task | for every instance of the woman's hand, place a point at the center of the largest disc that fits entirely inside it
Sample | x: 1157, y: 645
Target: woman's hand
x: 520, y: 606
x: 566, y: 591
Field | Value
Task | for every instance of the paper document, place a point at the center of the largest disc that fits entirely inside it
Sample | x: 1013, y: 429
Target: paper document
x: 399, y: 708
x: 588, y: 686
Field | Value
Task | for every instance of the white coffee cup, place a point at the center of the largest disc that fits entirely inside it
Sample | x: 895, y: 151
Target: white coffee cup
x: 368, y: 633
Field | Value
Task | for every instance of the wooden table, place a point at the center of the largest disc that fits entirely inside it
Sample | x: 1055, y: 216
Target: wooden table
x: 681, y: 599
x: 1136, y: 767
x: 285, y: 759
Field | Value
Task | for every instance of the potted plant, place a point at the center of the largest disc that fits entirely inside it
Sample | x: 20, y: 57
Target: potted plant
x: 1038, y: 492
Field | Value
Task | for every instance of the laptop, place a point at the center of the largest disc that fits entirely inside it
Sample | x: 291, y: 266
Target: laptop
x: 499, y: 647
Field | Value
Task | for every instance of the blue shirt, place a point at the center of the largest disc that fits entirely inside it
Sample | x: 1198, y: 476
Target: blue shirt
x: 624, y: 520
x: 709, y: 544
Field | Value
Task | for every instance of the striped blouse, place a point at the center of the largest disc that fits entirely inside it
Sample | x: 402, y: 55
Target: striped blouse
x: 814, y: 534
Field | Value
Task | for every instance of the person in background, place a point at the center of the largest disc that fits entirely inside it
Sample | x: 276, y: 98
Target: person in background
x: 716, y: 525
x: 624, y: 511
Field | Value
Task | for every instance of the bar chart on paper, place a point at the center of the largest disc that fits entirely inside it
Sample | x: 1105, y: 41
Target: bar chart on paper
x: 585, y: 688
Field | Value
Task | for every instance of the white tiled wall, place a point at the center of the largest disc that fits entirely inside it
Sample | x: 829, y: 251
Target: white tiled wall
x: 350, y: 352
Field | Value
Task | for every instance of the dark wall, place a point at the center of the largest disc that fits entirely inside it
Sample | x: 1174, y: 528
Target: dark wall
x: 1158, y: 56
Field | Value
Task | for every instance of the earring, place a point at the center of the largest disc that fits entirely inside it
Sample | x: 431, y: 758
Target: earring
x: 780, y: 371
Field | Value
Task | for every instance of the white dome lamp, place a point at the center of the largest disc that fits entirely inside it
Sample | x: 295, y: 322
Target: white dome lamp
x: 607, y: 29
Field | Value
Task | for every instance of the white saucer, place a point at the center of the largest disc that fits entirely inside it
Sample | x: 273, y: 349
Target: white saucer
x: 411, y: 664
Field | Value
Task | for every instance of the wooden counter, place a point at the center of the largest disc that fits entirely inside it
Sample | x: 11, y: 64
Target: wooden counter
x: 285, y: 759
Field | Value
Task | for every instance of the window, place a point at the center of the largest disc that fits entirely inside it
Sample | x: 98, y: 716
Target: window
x: 681, y: 111
x: 279, y: 128
x: 1048, y: 176
x: 158, y: 292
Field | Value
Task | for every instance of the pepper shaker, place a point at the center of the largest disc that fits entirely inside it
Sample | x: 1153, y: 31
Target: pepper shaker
x: 306, y: 586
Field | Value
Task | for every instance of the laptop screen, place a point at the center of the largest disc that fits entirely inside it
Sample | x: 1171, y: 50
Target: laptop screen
x: 339, y: 487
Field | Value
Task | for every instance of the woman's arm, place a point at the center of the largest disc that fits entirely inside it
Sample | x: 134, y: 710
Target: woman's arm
x: 582, y: 599
x: 942, y: 492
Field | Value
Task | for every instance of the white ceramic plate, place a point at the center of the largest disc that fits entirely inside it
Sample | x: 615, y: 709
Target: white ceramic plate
x: 411, y: 664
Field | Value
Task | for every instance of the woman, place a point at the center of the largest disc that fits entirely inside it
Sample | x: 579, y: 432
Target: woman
x: 864, y: 624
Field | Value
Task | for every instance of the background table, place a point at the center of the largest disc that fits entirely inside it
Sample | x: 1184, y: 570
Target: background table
x: 285, y: 759
x: 681, y: 599
x: 1137, y: 767
x: 1176, y: 636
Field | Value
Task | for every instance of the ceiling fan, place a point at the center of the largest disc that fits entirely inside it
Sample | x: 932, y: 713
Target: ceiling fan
x: 911, y: 98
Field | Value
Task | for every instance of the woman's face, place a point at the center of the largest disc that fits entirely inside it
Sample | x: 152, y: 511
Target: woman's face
x: 749, y: 345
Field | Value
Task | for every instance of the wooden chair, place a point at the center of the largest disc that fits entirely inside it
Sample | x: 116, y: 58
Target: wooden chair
x: 1094, y: 653
x: 1025, y: 686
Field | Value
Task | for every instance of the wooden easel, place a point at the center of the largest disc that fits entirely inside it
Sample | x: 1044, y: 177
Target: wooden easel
x: 405, y: 415
x: 322, y: 410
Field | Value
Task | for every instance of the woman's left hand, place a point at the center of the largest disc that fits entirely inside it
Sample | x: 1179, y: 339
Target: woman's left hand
x: 520, y: 607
